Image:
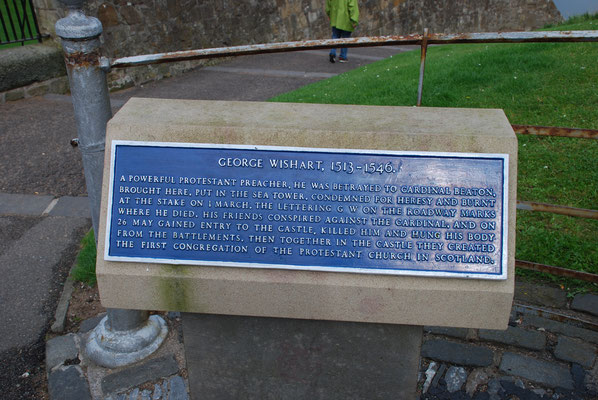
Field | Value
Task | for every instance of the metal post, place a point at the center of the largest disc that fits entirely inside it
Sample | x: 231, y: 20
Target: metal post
x: 123, y: 336
x: 422, y: 67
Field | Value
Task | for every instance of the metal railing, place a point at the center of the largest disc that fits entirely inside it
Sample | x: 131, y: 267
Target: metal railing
x: 422, y: 40
x: 415, y: 39
x: 18, y: 22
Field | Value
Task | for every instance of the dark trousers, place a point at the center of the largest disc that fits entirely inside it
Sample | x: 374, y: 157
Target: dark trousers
x: 340, y: 34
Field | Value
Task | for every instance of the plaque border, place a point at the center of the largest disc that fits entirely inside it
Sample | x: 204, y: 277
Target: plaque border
x: 369, y: 271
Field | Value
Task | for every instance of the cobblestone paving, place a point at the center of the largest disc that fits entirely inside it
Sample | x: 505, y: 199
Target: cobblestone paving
x: 535, y: 358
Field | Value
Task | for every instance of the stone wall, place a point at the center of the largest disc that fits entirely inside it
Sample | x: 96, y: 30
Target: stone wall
x: 133, y: 27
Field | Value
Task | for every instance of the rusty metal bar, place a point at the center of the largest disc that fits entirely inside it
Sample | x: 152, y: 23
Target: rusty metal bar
x: 567, y: 273
x: 563, y: 210
x: 415, y: 39
x: 422, y: 67
x: 526, y: 309
x: 515, y: 37
x: 556, y: 131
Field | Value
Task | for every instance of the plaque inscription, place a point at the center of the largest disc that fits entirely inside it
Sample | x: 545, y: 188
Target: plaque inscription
x: 382, y: 212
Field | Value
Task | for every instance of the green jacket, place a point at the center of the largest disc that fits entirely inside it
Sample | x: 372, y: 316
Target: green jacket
x: 343, y: 14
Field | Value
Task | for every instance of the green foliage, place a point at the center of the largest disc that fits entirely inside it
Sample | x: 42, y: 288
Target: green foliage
x: 85, y: 270
x: 550, y: 84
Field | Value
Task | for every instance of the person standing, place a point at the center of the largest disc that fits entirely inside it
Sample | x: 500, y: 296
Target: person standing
x: 344, y: 17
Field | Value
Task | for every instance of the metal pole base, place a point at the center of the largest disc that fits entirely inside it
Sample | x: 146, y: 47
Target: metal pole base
x: 111, y: 348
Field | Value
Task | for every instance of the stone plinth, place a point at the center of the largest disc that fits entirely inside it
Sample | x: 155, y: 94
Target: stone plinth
x: 232, y: 357
x: 299, y: 294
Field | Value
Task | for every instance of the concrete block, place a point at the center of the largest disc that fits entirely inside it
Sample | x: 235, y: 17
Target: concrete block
x: 59, y: 350
x: 15, y: 94
x: 543, y: 372
x: 138, y: 374
x: 585, y: 302
x: 90, y: 323
x: 516, y: 336
x: 575, y: 350
x: 39, y: 89
x: 231, y: 357
x: 177, y: 390
x: 58, y: 85
x: 579, y: 377
x: 515, y: 387
x: 68, y: 384
x: 457, y: 353
x: 540, y: 295
x: 561, y: 328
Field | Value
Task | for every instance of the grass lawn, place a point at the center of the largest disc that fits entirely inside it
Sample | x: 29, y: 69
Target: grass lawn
x: 552, y: 84
x: 9, y: 24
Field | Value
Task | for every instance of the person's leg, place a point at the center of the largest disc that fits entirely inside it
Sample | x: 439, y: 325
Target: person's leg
x: 335, y: 35
x: 344, y: 34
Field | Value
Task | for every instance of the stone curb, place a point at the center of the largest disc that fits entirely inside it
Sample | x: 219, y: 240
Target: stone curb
x: 63, y: 303
x: 58, y: 85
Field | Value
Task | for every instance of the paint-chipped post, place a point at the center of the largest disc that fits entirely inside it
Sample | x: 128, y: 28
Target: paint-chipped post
x: 124, y: 336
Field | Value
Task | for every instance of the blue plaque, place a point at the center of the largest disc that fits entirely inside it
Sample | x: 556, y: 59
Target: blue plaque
x: 362, y: 211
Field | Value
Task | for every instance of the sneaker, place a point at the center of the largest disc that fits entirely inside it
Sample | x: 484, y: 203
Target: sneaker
x: 343, y: 60
x: 331, y: 57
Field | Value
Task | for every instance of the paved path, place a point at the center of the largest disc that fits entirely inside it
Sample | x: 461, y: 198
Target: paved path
x: 28, y: 262
x: 257, y: 77
x: 39, y: 237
